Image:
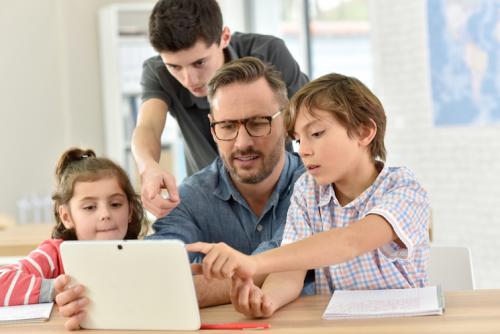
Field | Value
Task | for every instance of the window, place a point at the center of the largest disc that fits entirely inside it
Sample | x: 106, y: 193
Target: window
x: 323, y: 35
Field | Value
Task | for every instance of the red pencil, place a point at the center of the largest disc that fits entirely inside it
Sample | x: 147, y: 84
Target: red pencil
x: 236, y: 325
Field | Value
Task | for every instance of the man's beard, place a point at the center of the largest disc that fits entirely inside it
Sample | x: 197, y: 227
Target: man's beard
x: 265, y: 168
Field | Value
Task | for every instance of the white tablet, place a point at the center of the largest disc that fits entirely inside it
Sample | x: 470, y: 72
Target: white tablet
x: 134, y: 284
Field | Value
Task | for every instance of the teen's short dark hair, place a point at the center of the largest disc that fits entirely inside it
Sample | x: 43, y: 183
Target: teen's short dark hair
x: 178, y: 24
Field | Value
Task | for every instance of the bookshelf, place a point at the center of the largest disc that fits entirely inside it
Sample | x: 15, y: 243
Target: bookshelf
x: 124, y: 46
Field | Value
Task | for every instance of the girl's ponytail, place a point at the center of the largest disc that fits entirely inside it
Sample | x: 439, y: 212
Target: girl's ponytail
x: 70, y: 156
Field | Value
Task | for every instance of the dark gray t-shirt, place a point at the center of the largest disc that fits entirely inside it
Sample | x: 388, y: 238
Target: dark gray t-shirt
x: 191, y: 111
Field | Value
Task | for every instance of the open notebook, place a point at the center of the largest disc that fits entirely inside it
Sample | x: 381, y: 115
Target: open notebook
x: 25, y: 313
x: 348, y: 304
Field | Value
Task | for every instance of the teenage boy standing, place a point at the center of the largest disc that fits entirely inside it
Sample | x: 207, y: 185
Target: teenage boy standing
x: 192, y: 44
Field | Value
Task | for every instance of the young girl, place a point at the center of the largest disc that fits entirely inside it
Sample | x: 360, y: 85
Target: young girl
x: 93, y: 200
x: 359, y: 223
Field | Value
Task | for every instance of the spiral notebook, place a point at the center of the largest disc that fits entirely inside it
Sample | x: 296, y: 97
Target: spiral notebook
x: 358, y: 304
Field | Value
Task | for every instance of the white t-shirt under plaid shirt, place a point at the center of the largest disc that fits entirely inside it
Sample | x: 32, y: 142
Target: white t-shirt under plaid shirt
x: 395, y: 195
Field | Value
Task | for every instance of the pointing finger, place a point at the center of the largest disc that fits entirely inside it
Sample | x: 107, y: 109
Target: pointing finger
x: 199, y: 247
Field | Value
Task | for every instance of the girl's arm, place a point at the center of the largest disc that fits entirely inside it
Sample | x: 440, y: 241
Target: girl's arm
x: 30, y: 281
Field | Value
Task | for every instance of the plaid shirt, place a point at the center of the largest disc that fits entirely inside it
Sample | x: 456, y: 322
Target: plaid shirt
x: 395, y: 195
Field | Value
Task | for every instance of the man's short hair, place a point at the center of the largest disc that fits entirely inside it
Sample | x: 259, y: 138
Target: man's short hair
x: 178, y: 24
x: 348, y: 100
x: 248, y: 70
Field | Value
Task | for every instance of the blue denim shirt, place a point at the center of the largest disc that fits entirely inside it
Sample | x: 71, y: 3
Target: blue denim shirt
x: 212, y: 210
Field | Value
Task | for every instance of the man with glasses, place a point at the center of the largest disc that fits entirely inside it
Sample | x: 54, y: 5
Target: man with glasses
x: 242, y: 198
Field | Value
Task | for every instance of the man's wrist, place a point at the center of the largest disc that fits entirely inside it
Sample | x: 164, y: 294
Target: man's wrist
x: 259, y: 262
x: 201, y: 289
x: 211, y: 293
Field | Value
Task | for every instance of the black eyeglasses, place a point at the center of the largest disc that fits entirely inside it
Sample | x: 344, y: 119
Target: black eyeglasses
x: 256, y: 127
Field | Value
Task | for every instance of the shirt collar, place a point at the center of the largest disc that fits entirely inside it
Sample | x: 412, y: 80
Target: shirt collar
x: 230, y: 53
x: 224, y: 188
x: 188, y: 100
x: 327, y: 192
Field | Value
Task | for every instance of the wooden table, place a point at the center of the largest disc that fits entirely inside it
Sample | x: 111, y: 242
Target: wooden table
x: 19, y: 240
x: 466, y: 312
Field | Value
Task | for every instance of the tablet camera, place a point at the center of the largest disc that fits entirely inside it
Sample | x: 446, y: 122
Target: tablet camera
x: 120, y: 247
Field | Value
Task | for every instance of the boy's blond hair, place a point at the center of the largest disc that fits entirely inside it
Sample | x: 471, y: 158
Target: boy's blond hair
x: 349, y: 101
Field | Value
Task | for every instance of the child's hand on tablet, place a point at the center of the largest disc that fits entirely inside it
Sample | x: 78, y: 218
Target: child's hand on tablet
x: 71, y: 301
x: 222, y: 261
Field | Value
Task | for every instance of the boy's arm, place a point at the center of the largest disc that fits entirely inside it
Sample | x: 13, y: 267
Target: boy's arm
x: 331, y: 247
x: 399, y: 221
x: 146, y: 147
x: 400, y: 218
x: 283, y: 288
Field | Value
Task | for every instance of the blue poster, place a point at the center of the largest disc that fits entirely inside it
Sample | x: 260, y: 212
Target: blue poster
x: 464, y: 46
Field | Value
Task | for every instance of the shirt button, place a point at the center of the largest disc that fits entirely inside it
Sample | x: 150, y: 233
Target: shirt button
x: 259, y: 228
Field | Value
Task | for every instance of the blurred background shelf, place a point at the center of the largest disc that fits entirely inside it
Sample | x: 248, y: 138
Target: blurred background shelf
x: 124, y: 46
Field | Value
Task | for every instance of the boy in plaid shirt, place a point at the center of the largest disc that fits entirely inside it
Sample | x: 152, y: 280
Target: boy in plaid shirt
x: 358, y: 223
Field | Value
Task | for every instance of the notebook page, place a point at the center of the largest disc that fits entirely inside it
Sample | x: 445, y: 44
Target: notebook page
x: 25, y: 313
x: 379, y: 303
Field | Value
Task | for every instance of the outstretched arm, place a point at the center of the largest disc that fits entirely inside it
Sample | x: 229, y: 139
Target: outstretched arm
x: 221, y: 261
x: 331, y: 247
x: 146, y: 147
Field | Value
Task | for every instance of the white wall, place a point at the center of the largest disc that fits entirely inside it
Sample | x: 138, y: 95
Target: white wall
x: 234, y: 15
x: 32, y: 118
x: 50, y: 90
x: 458, y: 165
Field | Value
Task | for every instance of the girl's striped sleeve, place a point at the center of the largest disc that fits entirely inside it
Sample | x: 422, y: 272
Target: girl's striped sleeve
x: 30, y: 281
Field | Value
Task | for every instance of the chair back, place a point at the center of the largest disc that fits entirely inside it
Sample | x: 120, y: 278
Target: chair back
x: 451, y: 267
